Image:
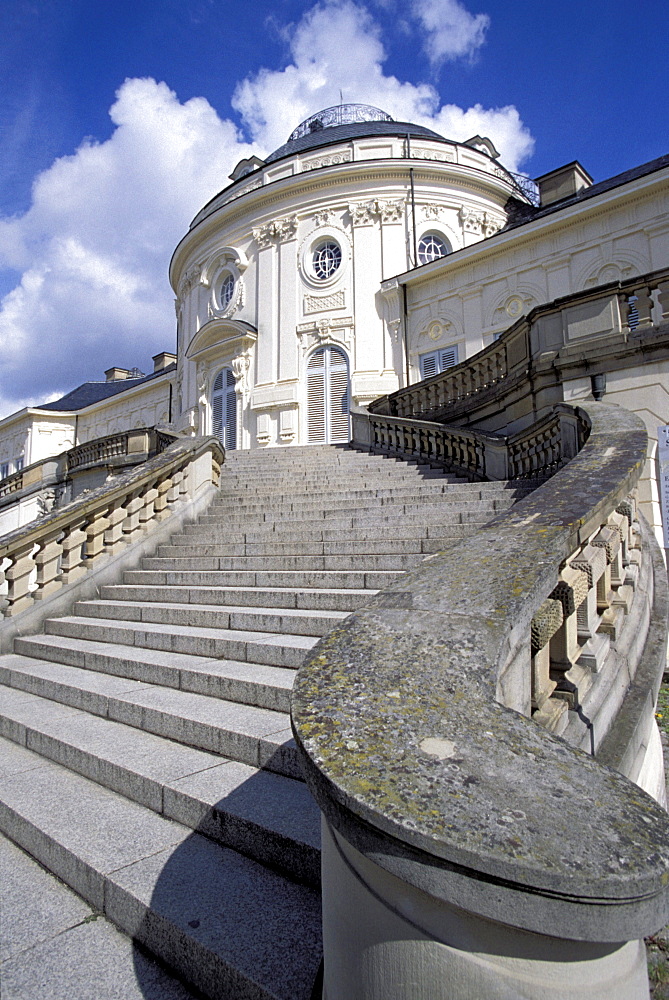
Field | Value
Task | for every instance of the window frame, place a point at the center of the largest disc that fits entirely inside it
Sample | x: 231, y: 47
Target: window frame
x: 440, y: 357
x: 436, y: 236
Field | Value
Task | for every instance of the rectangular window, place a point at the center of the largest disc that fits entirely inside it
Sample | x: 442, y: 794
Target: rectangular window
x: 18, y: 464
x: 4, y: 470
x: 438, y: 361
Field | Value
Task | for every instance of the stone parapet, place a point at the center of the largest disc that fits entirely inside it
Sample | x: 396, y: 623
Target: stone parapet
x: 62, y: 546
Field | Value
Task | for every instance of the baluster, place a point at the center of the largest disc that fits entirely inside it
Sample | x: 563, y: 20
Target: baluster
x: 571, y: 591
x: 175, y: 488
x: 184, y: 485
x: 4, y: 564
x: 547, y: 711
x: 132, y: 507
x: 644, y: 307
x: 97, y: 525
x: 591, y: 560
x: 160, y: 506
x: 17, y: 576
x: 147, y: 513
x: 47, y: 560
x: 72, y: 544
x: 663, y: 298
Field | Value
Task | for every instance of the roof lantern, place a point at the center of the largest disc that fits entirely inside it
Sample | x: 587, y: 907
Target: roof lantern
x: 342, y: 114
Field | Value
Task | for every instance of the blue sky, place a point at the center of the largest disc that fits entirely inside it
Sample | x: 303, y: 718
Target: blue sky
x: 91, y: 205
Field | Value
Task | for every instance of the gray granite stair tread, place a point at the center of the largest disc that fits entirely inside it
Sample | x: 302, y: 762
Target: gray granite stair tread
x: 126, y: 759
x: 54, y: 945
x: 168, y: 887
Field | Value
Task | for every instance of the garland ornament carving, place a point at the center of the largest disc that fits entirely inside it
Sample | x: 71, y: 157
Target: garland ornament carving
x: 323, y: 217
x: 327, y: 161
x: 191, y: 278
x: 364, y: 213
x: 394, y: 329
x: 445, y: 156
x: 480, y: 223
x: 240, y: 367
x: 278, y: 229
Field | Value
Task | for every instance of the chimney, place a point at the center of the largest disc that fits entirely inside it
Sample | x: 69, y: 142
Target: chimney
x: 162, y: 360
x: 565, y: 182
x: 116, y: 374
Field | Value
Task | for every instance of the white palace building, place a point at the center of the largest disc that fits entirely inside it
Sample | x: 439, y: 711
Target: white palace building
x: 485, y: 799
x: 361, y: 256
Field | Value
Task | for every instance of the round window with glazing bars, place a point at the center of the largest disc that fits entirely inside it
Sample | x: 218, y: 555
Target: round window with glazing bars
x: 227, y: 288
x: 430, y: 247
x: 326, y: 259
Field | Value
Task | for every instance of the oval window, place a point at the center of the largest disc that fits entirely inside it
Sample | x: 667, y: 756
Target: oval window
x: 326, y: 259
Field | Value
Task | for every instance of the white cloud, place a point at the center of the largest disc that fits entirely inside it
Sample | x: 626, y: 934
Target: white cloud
x: 338, y: 44
x: 94, y: 246
x: 452, y: 32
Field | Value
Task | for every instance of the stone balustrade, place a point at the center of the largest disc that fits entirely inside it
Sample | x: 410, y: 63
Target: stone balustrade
x: 534, y: 453
x: 143, y: 441
x: 11, y: 484
x: 578, y: 330
x: 454, y: 734
x: 56, y: 550
x: 43, y: 485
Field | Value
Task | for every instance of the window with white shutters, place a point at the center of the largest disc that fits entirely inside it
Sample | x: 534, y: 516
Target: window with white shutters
x: 328, y: 396
x: 438, y: 361
x: 224, y: 409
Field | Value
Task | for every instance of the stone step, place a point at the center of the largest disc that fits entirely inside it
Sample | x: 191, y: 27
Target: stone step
x: 250, y: 597
x: 257, y: 684
x: 55, y: 945
x: 248, y: 507
x: 316, y: 531
x: 278, y: 562
x: 323, y: 579
x: 266, y: 816
x: 443, y: 491
x: 274, y: 547
x: 244, y: 487
x: 255, y: 736
x: 273, y: 648
x: 226, y: 924
x: 254, y: 619
x: 371, y: 516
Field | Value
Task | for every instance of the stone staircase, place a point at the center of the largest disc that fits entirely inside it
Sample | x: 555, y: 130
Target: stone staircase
x: 146, y: 755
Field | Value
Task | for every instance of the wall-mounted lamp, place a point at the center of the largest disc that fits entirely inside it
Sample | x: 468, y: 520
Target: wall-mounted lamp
x: 598, y: 383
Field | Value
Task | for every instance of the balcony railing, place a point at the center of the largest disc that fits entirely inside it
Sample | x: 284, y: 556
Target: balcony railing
x: 530, y: 345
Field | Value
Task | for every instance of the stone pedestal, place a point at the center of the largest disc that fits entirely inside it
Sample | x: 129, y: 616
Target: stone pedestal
x: 387, y: 940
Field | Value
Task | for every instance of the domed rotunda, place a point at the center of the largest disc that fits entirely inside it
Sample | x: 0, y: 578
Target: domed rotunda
x: 282, y: 323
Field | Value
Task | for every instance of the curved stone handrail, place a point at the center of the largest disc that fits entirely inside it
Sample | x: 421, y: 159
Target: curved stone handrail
x: 412, y: 720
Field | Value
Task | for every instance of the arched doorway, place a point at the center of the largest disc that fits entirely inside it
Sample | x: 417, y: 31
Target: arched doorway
x: 224, y: 409
x: 328, y: 396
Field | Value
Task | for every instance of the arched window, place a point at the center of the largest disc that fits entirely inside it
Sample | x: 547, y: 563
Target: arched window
x: 224, y: 409
x: 430, y: 247
x: 328, y: 396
